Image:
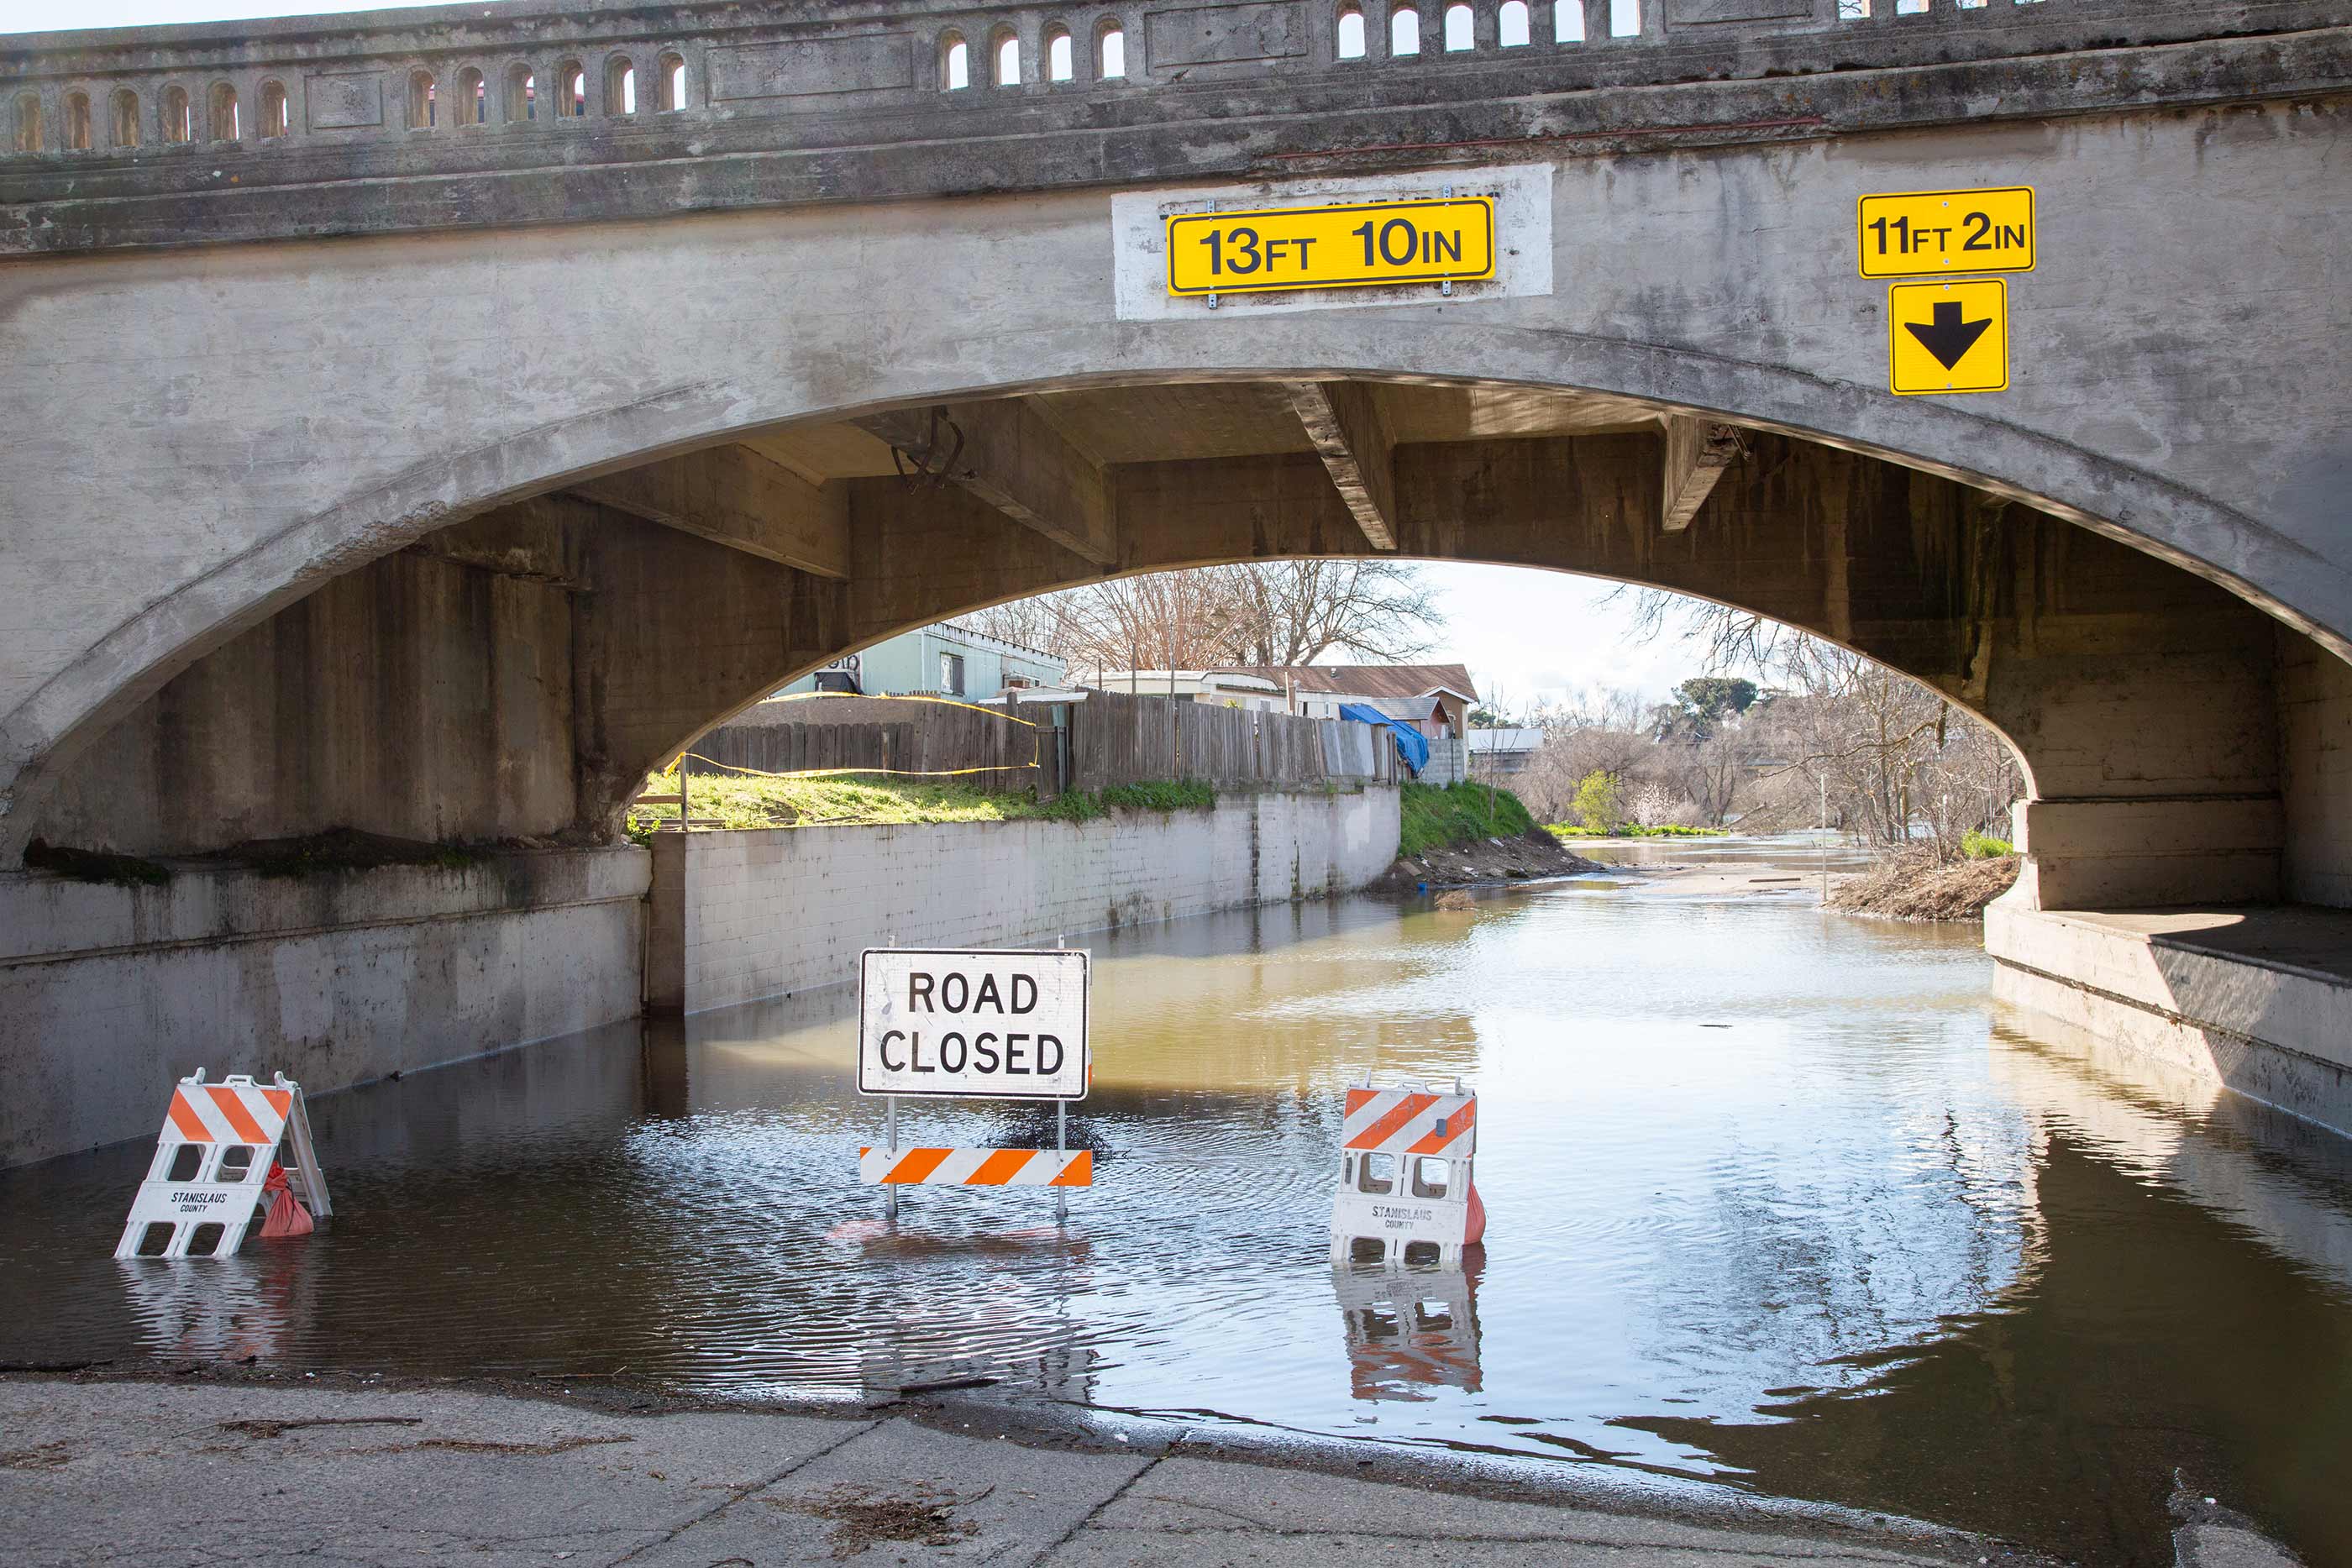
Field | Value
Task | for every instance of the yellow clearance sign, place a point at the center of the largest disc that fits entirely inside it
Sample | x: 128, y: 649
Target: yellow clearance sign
x: 1948, y: 337
x: 1360, y: 245
x: 1917, y: 233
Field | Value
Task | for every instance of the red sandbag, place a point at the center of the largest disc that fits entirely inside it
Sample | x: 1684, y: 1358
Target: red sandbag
x: 287, y: 1216
x: 1472, y: 1232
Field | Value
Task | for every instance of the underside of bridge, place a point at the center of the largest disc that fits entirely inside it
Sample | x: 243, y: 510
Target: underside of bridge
x: 526, y: 667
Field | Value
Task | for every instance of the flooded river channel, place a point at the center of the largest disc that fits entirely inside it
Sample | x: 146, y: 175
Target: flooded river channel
x: 1778, y: 1200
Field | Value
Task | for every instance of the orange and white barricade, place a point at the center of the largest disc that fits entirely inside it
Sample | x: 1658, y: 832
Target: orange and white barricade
x: 212, y: 1167
x: 1404, y: 1177
x: 976, y: 1167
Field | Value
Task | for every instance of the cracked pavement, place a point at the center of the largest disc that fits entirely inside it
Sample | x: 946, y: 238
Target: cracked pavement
x: 161, y: 1473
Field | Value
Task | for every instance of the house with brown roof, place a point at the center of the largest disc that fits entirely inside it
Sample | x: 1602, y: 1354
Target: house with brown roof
x: 1435, y: 699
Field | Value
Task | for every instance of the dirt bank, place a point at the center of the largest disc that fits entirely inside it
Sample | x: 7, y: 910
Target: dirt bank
x: 1913, y: 886
x: 1516, y: 858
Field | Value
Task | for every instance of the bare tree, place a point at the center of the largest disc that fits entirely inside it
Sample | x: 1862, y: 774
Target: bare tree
x: 1713, y: 768
x: 1169, y: 620
x: 1875, y: 751
x: 1031, y: 623
x: 1600, y: 730
x: 1301, y: 610
x: 1263, y: 613
x: 1728, y: 638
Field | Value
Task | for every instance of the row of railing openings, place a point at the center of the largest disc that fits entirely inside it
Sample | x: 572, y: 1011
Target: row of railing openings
x: 471, y: 98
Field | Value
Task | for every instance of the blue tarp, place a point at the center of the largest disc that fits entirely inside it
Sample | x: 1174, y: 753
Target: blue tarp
x: 1410, y: 744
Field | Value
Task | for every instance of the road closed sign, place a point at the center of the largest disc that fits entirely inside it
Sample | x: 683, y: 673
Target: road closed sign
x: 993, y: 1025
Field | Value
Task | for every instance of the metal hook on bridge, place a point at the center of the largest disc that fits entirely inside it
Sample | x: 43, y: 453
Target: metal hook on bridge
x: 925, y: 473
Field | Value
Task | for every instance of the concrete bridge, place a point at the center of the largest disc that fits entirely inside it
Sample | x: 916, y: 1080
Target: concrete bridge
x: 423, y: 421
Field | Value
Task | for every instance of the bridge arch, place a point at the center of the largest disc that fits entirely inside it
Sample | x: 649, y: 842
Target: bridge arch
x: 1921, y: 572
x: 2163, y: 518
x: 580, y: 353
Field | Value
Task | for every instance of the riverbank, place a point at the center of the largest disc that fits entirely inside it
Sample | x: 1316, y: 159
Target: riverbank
x: 365, y: 1471
x: 1917, y: 886
x: 1471, y: 835
x: 1482, y: 862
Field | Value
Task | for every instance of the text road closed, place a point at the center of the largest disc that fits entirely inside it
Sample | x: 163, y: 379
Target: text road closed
x: 993, y: 1025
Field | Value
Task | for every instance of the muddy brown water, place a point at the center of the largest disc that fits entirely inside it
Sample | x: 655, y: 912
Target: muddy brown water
x: 1779, y: 1201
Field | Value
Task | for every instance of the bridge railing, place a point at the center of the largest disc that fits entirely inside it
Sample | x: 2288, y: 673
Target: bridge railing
x: 415, y: 79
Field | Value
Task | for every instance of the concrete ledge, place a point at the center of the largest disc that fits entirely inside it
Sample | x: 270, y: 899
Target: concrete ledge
x: 49, y: 917
x: 108, y: 994
x: 2257, y: 999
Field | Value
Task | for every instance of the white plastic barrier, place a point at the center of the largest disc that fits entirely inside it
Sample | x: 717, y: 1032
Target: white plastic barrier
x: 211, y: 1166
x: 1404, y: 1174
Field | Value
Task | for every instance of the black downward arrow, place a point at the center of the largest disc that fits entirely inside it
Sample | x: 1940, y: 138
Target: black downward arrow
x: 1948, y: 338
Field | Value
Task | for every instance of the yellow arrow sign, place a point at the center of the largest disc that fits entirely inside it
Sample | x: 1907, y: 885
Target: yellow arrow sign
x: 1916, y: 233
x: 1948, y: 337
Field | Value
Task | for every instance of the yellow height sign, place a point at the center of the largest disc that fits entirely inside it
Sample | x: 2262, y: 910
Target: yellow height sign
x: 1360, y: 245
x: 1922, y: 232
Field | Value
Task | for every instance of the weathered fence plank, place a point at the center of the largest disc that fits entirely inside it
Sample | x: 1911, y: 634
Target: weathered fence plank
x: 1116, y: 737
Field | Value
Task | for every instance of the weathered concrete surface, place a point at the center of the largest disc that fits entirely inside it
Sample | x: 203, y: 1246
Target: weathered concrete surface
x: 846, y: 102
x: 738, y: 917
x: 2253, y: 998
x: 400, y: 390
x: 107, y: 994
x: 167, y: 1474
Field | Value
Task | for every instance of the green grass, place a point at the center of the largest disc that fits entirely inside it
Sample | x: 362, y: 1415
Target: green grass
x: 1434, y: 817
x: 747, y: 801
x: 1979, y: 846
x: 1164, y: 795
x: 1633, y: 830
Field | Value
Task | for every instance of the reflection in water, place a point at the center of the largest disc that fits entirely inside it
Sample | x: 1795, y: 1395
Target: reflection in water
x: 232, y: 1309
x: 1411, y: 1330
x: 1774, y: 1201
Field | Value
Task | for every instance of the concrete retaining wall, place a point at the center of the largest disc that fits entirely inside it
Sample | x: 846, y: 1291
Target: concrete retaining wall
x: 107, y: 994
x: 742, y: 915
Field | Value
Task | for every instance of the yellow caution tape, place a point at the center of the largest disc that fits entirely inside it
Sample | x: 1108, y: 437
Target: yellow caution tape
x: 1034, y: 764
x: 885, y: 772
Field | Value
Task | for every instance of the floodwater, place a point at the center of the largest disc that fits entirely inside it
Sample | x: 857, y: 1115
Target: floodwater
x: 1779, y: 1201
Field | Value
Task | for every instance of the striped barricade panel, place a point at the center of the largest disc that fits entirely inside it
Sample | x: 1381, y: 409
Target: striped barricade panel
x: 975, y: 1167
x: 211, y: 1164
x: 1411, y: 1122
x: 230, y: 1112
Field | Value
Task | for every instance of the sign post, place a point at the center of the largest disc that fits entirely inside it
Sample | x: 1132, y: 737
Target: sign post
x: 984, y: 1023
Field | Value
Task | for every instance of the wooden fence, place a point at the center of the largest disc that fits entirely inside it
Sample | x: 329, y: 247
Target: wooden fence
x: 1111, y: 738
x: 958, y: 744
x: 1117, y: 738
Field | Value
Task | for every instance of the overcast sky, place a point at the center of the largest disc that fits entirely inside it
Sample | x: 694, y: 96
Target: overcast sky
x: 1527, y: 635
